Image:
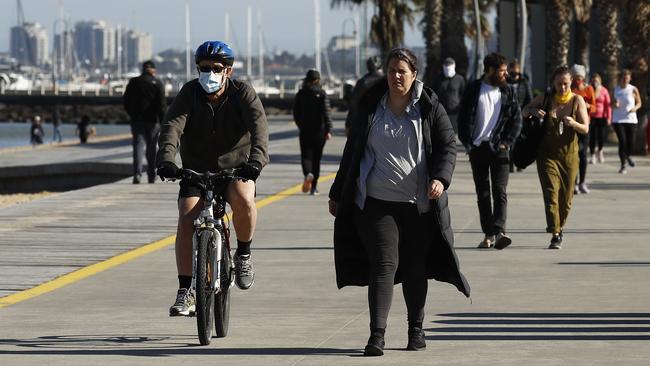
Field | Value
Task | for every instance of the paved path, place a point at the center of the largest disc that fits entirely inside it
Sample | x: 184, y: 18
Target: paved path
x: 587, y: 304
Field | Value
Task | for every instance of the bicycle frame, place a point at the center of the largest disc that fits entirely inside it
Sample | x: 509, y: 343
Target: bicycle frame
x: 207, y: 221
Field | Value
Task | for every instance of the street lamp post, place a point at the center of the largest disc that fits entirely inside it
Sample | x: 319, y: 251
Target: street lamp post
x: 355, y: 33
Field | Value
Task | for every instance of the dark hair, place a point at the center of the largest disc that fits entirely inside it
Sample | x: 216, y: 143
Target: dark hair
x: 561, y: 70
x: 148, y: 65
x: 624, y: 72
x: 494, y: 60
x: 402, y: 54
x: 596, y: 75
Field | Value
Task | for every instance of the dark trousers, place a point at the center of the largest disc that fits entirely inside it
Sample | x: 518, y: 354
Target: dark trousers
x: 145, y: 139
x: 395, y: 234
x: 490, y: 171
x: 625, y: 135
x: 597, y: 130
x: 312, y: 144
x: 583, y: 141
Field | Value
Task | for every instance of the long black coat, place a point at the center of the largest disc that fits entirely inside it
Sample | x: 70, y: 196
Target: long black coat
x: 351, y: 260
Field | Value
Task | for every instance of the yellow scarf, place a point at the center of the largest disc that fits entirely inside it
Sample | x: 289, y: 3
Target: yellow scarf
x: 563, y: 99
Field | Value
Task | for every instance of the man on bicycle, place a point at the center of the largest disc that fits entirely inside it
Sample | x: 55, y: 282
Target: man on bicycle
x: 220, y: 123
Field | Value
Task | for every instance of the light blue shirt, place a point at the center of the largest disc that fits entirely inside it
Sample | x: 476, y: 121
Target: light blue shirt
x: 393, y: 167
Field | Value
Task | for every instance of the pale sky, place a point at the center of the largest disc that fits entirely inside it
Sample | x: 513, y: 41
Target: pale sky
x: 287, y: 24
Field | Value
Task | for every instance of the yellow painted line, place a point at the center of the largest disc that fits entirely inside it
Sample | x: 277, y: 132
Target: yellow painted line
x: 119, y: 259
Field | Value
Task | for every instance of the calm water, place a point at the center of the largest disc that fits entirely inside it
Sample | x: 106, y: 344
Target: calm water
x: 17, y: 134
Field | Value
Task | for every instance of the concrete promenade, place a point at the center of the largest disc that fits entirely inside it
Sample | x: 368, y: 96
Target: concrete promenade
x: 587, y: 304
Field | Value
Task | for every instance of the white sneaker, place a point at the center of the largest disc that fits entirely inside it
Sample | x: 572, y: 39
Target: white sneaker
x: 601, y: 156
x: 593, y: 159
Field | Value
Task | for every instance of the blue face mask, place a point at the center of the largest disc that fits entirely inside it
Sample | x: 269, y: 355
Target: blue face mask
x: 210, y: 81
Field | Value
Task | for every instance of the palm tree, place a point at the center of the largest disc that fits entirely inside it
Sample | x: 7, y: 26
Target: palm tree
x: 582, y: 12
x: 558, y: 14
x: 453, y: 38
x: 387, y: 25
x: 432, y: 31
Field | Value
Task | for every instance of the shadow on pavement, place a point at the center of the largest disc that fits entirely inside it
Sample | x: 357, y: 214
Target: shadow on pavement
x: 147, y: 346
x: 535, y: 327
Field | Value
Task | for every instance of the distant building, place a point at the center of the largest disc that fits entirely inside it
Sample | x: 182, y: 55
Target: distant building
x: 28, y: 44
x: 341, y: 43
x: 137, y: 48
x: 95, y: 43
x: 62, y: 51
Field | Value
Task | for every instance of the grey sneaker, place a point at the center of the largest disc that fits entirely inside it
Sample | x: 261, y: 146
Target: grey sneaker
x: 244, y: 275
x: 184, y: 305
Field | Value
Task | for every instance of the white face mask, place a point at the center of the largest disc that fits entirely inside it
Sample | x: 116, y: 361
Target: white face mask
x: 210, y: 81
x: 449, y: 70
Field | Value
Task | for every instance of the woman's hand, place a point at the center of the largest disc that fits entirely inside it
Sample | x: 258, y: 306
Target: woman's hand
x: 539, y: 113
x: 569, y: 121
x: 332, y: 207
x: 328, y: 136
x: 435, y: 189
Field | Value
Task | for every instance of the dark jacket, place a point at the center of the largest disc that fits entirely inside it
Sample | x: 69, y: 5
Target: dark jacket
x: 449, y: 91
x: 311, y: 110
x: 144, y: 99
x: 508, y: 125
x: 360, y: 88
x: 352, y: 267
x: 215, y: 138
x: 522, y: 90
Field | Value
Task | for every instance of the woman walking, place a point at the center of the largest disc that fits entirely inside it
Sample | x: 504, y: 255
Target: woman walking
x: 601, y: 117
x: 311, y: 112
x: 557, y: 157
x: 392, y: 218
x: 579, y: 86
x: 626, y: 102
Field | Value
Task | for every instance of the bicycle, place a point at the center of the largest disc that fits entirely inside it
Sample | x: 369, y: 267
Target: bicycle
x: 212, y: 263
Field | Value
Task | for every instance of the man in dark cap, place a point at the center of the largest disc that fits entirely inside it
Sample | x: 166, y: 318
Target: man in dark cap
x: 361, y: 87
x: 144, y: 101
x: 449, y: 86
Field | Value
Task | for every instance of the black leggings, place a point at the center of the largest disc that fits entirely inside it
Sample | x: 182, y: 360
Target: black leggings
x: 395, y: 234
x: 312, y: 144
x: 583, y: 141
x: 597, y: 129
x: 625, y: 135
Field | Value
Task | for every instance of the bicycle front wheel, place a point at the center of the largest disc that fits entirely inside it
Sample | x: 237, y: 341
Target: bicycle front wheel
x: 204, y: 287
x: 222, y: 298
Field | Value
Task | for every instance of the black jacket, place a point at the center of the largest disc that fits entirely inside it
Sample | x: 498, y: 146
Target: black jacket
x: 522, y: 90
x: 144, y: 99
x: 351, y: 260
x: 360, y: 88
x: 508, y: 125
x: 449, y: 91
x: 311, y: 110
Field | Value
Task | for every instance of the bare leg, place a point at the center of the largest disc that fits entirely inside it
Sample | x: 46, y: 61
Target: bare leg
x: 188, y: 209
x: 241, y: 197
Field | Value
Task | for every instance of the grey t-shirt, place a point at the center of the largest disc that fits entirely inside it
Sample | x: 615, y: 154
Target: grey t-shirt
x: 394, y: 143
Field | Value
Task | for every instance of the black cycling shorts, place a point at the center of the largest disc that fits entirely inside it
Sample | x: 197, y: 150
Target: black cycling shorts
x: 189, y: 189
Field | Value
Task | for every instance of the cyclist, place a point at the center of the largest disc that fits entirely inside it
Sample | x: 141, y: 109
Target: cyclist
x: 220, y: 123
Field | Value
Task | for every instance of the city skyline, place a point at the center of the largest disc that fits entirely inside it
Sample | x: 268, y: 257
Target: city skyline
x: 167, y: 24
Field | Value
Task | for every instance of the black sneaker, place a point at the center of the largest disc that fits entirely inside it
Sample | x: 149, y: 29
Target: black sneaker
x: 556, y: 241
x: 416, y: 340
x: 137, y: 178
x: 501, y: 241
x: 631, y: 162
x: 375, y: 346
x: 184, y: 304
x: 244, y: 275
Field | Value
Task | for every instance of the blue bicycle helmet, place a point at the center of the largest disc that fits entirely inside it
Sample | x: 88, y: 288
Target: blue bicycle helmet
x: 215, y: 50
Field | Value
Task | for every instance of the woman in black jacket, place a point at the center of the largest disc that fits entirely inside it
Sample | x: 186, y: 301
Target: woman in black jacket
x: 392, y: 218
x: 311, y: 111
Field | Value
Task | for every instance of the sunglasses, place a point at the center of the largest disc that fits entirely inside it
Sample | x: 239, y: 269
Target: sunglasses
x: 217, y: 69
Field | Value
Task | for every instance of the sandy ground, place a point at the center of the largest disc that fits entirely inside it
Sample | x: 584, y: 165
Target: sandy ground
x: 18, y: 198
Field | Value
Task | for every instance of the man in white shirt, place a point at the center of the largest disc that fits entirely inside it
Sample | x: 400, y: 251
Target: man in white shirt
x: 488, y: 125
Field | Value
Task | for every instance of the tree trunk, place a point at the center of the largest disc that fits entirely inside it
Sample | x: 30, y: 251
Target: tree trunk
x: 432, y: 32
x: 608, y: 40
x: 558, y: 14
x: 453, y: 34
x: 582, y: 43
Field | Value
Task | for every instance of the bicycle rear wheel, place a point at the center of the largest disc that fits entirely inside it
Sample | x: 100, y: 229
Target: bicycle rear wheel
x: 204, y: 287
x: 222, y: 298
